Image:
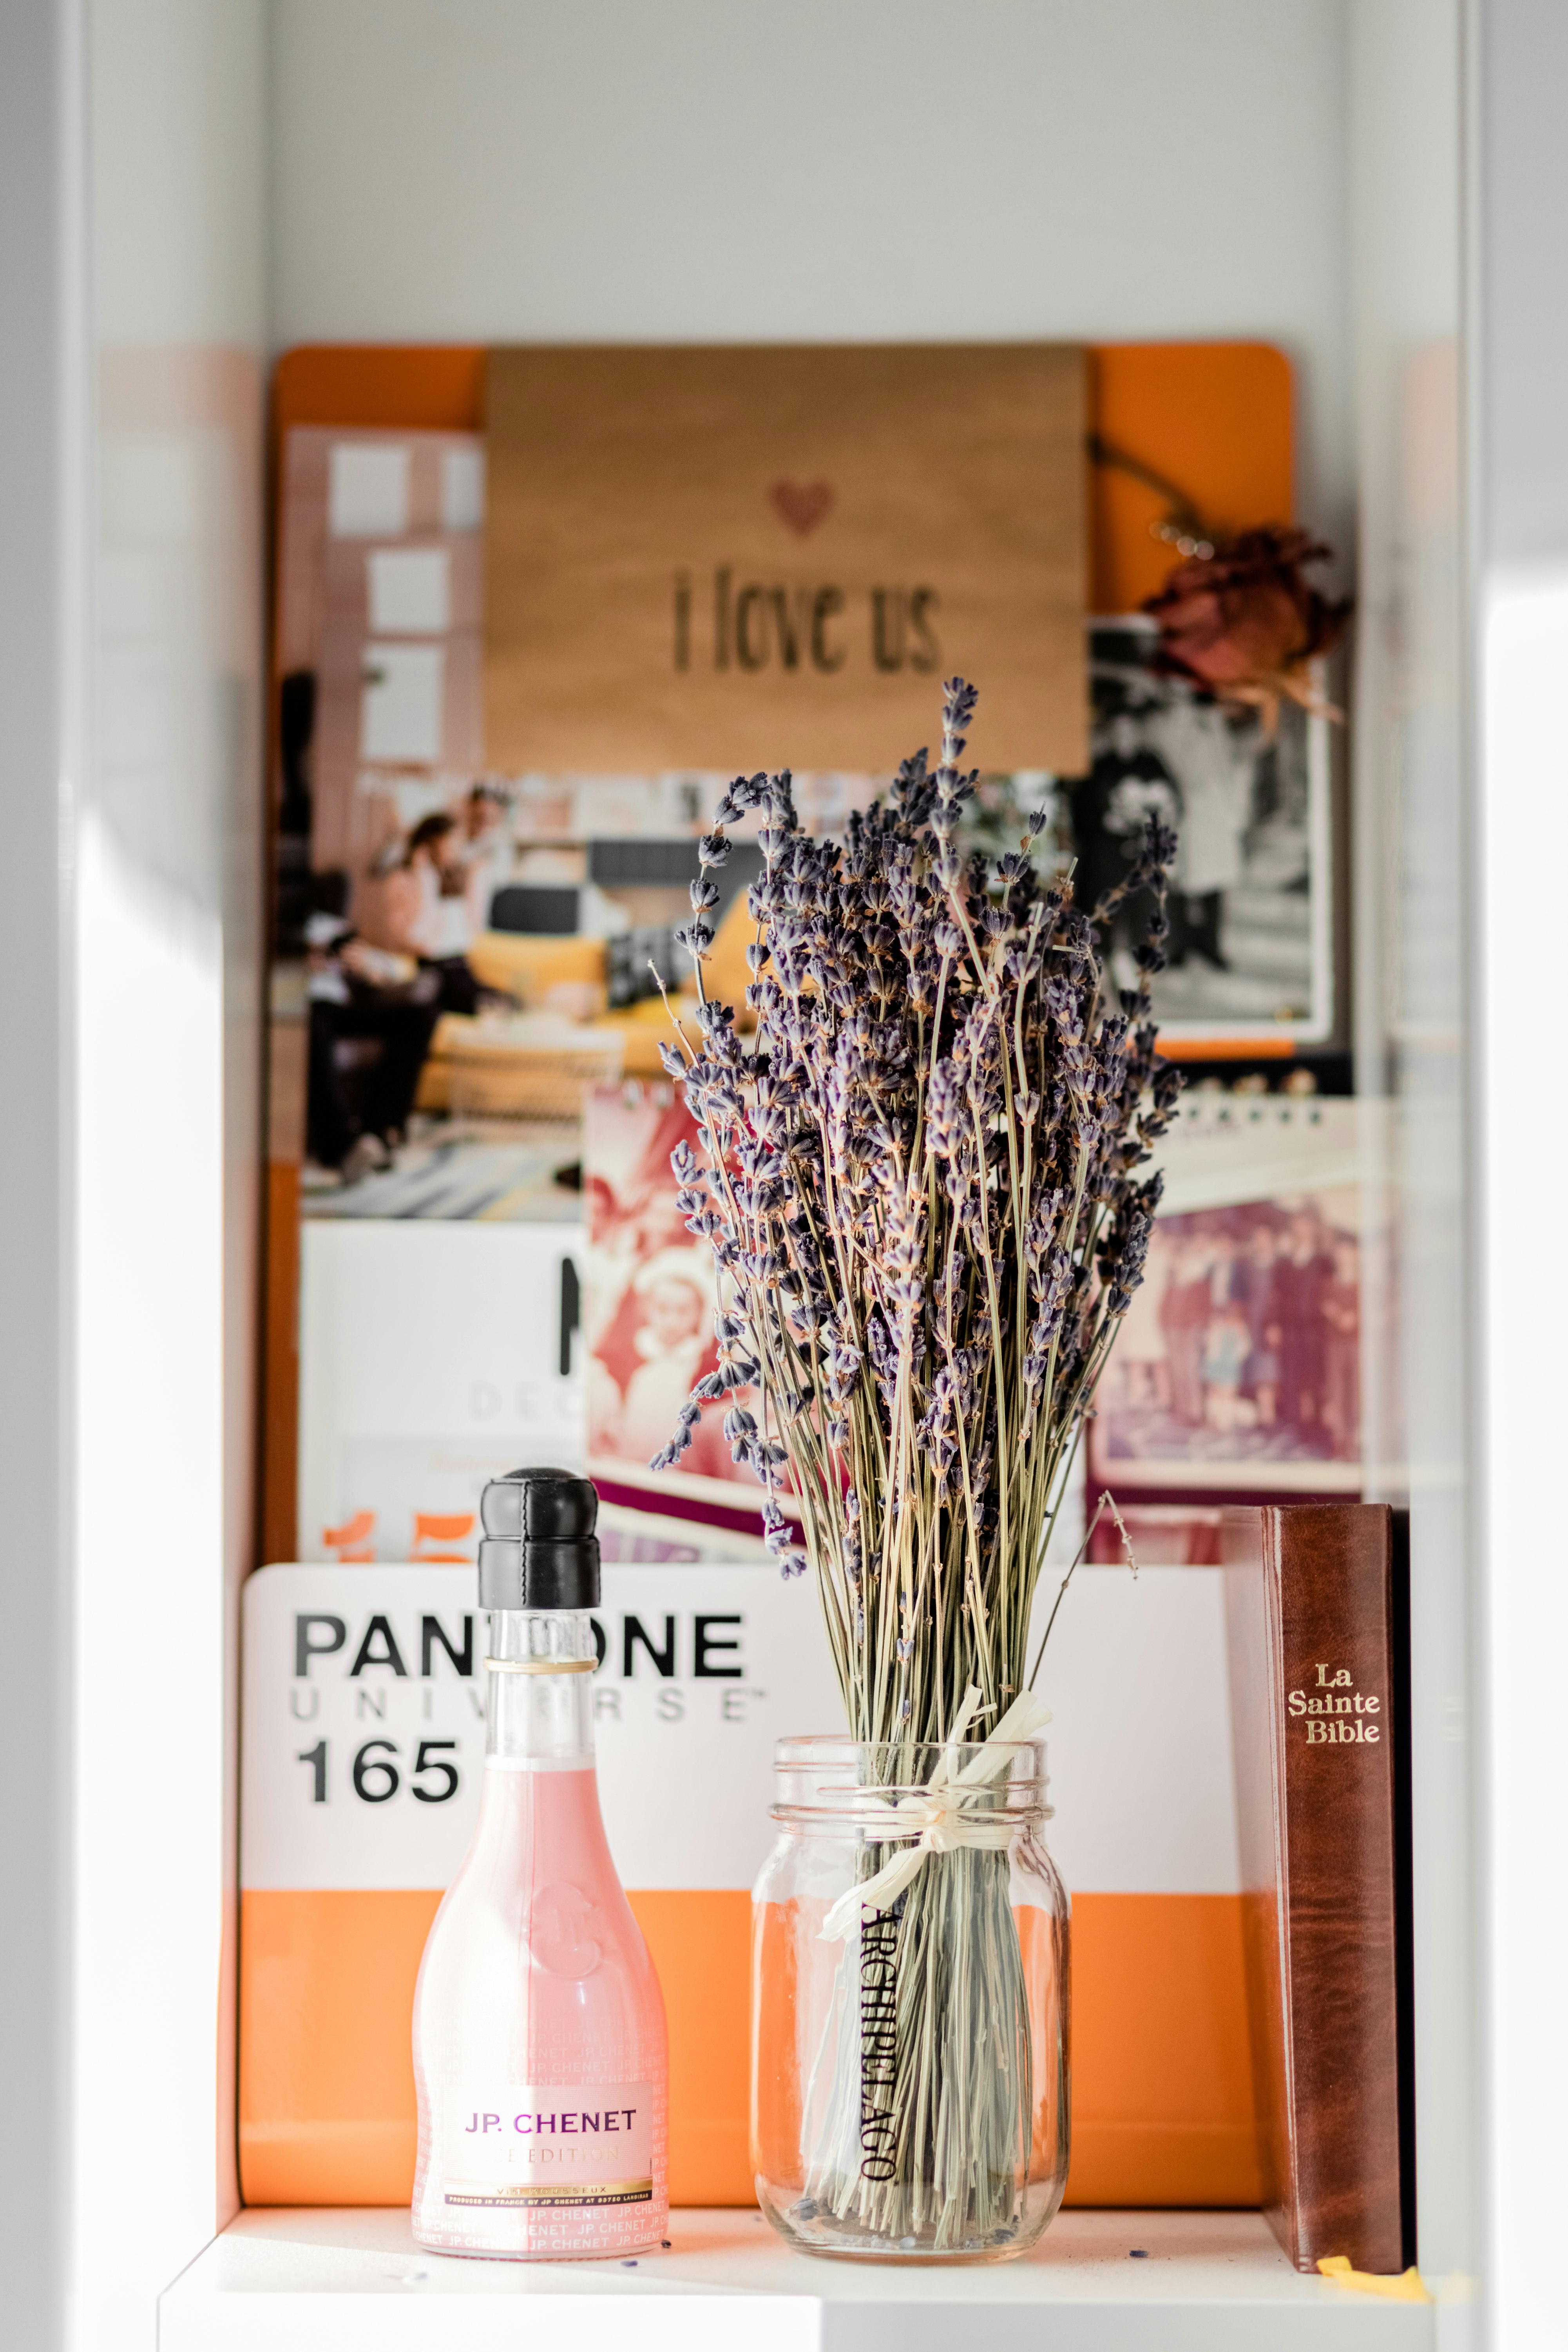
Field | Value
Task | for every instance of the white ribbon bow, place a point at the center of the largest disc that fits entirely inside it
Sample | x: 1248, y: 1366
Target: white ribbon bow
x: 934, y: 1815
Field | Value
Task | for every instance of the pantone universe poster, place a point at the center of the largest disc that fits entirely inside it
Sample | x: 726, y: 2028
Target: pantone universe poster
x: 740, y: 557
x: 363, y: 1756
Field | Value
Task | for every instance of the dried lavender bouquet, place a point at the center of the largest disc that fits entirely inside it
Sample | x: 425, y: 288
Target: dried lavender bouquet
x: 919, y: 1184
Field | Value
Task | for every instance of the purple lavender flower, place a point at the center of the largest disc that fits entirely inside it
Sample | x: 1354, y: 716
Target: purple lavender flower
x: 921, y: 1141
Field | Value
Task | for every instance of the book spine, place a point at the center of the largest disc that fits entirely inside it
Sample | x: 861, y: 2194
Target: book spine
x: 1332, y: 1590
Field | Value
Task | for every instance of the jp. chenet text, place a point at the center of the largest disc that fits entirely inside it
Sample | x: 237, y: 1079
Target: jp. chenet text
x: 532, y: 2126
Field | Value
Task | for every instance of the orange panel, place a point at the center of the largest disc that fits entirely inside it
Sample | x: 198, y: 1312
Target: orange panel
x: 419, y: 387
x: 701, y: 1947
x: 326, y: 2075
x: 1161, y: 2081
x: 1161, y: 2068
x: 776, y: 1927
x: 1227, y: 1049
x: 1212, y: 419
x: 326, y: 2078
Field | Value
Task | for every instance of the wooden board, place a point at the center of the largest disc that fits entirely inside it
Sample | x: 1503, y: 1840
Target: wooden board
x: 718, y: 558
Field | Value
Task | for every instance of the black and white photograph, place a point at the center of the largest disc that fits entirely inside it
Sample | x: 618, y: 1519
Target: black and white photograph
x: 1251, y: 898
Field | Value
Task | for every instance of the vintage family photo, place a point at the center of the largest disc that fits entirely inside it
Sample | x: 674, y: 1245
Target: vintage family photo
x: 1238, y: 1364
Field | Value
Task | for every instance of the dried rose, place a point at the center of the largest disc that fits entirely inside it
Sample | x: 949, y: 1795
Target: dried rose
x: 1245, y: 624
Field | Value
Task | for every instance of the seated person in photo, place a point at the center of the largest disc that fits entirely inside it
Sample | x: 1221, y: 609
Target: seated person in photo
x: 361, y: 993
x: 484, y: 852
x: 428, y: 914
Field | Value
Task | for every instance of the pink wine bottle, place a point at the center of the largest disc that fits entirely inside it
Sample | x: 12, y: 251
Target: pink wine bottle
x: 540, y: 2054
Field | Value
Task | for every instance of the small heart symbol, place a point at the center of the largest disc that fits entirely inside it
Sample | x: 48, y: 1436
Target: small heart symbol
x: 802, y: 505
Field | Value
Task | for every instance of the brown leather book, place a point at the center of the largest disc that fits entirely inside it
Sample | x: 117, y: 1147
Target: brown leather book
x: 1313, y: 1638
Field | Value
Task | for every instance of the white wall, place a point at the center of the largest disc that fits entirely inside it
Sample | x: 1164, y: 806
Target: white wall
x: 165, y: 981
x: 1412, y: 870
x: 847, y: 170
x: 41, y: 648
x: 131, y: 404
x: 1518, y: 616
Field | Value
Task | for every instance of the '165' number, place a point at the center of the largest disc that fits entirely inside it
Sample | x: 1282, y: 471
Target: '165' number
x: 376, y: 1774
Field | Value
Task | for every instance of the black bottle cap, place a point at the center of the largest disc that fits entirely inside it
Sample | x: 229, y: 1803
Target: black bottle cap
x: 539, y: 1550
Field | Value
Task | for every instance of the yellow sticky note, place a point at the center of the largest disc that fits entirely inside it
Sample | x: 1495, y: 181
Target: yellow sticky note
x: 1406, y: 2288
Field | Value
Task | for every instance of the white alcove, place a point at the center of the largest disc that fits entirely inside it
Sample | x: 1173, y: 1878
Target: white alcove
x: 188, y: 187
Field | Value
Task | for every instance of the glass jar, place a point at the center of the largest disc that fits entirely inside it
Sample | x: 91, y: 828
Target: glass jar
x: 910, y: 1935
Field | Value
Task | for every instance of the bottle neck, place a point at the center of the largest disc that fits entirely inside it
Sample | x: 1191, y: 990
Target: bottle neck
x: 539, y: 1706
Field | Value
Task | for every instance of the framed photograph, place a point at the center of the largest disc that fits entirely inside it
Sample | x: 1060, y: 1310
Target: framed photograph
x: 1252, y: 900
x: 1238, y: 1367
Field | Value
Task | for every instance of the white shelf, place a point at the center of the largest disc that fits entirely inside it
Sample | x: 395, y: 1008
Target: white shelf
x: 303, y: 2281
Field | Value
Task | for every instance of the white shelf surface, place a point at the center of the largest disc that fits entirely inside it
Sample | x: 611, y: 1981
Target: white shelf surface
x: 310, y: 2279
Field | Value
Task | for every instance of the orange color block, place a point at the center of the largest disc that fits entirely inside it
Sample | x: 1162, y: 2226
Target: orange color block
x: 1227, y: 1049
x: 1162, y: 2110
x: 326, y: 2076
x: 352, y: 1531
x: 1215, y: 420
x: 774, y: 1951
x: 442, y: 1526
x: 326, y: 2073
x: 1161, y: 2073
x: 392, y: 387
x: 701, y: 1944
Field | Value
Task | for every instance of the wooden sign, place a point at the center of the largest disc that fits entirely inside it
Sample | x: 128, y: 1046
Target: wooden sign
x: 756, y: 556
